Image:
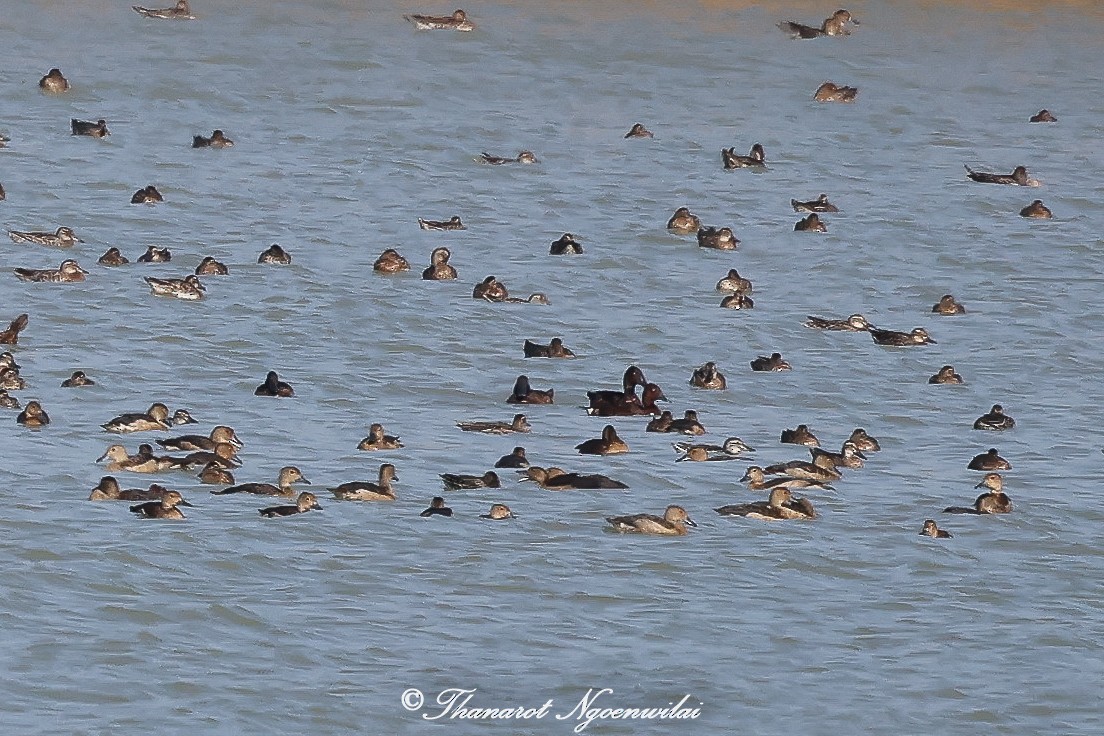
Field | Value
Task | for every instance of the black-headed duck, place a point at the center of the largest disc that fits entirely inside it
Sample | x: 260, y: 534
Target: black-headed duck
x: 707, y: 376
x: 274, y: 254
x: 1043, y: 116
x: 1018, y: 177
x: 54, y: 81
x: 437, y: 507
x: 108, y: 489
x: 800, y: 436
x: 516, y: 459
x: 518, y: 424
x: 211, y: 267
x: 304, y: 502
x: 10, y: 336
x: 628, y: 405
x: 154, y: 254
x: 214, y: 475
x: 378, y: 440
x: 632, y: 378
x: 557, y: 480
x: 523, y: 157
x: 779, y: 506
x: 453, y: 223
x: 567, y: 244
x: 1037, y: 210
x: 820, y: 204
x: 96, y: 129
x: 523, y: 393
x: 218, y: 139
x: 836, y: 25
x: 288, y: 475
x: 854, y: 323
x: 863, y: 441
x: 660, y: 423
x: 673, y: 522
x: 849, y: 456
x: 273, y: 386
x: 33, y: 415
x: 554, y: 349
x: 756, y: 479
x: 458, y: 21
x: 365, y: 490
x: 946, y: 374
x: 390, y: 261
x: 918, y: 336
x: 995, y: 420
x: 461, y: 482
x: 7, y: 401
x: 79, y: 378
x: 195, y: 442
x: 989, y: 461
x: 811, y: 223
x: 189, y: 288
x: 639, y: 131
x: 717, y: 238
x: 63, y: 237
x: 156, y: 417
x: 994, y: 501
x: 948, y: 306
x: 684, y: 221
x: 439, y: 268
x: 931, y: 530
x: 180, y: 11
x: 831, y: 92
x: 756, y: 158
x: 490, y: 289
x: 773, y: 362
x: 739, y: 300
x: 113, y: 257
x: 608, y: 444
x: 734, y: 283
x: 166, y: 508
x: 147, y: 195
x: 498, y: 512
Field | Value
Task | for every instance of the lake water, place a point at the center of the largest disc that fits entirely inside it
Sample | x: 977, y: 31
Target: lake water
x: 349, y: 125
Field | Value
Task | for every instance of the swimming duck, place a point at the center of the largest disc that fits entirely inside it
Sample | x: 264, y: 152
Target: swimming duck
x: 453, y: 223
x: 166, y: 508
x: 154, y: 254
x: 377, y: 440
x: 633, y: 407
x: 849, y: 456
x: 531, y: 299
x: 190, y: 442
x: 554, y: 349
x: 437, y: 507
x: 274, y: 254
x: 730, y: 449
x: 363, y: 490
x: 273, y: 386
x: 756, y: 479
x: 862, y: 441
x: 6, y: 401
x: 775, y: 362
x: 10, y: 336
x: 218, y: 139
x: 995, y: 420
x: 439, y: 268
x: 33, y: 415
x: 490, y: 289
x: 833, y: 26
x: 210, y: 267
x: 561, y: 481
x: 707, y: 376
x: 734, y: 283
x: 498, y: 512
x: 3, y: 194
x: 918, y: 336
x: 810, y: 224
x: 931, y: 530
x: 660, y: 423
x: 821, y: 469
x: 77, y: 379
x: 390, y: 262
x: 108, y: 490
x: 780, y: 505
x: 288, y: 475
x: 1037, y: 210
x: 54, y: 81
x: 608, y: 444
x: 632, y: 378
x: 523, y: 393
x: 1043, y: 116
x: 97, y: 129
x: 673, y: 522
x: 113, y: 257
x: 188, y: 288
x: 739, y: 300
x: 148, y: 195
x: 143, y: 462
x: 689, y: 424
x: 304, y: 502
x: 516, y: 459
x: 639, y: 131
x: 800, y: 436
x: 947, y: 305
x: 566, y: 245
x: 223, y: 455
x: 213, y: 474
x: 717, y: 238
x: 829, y: 92
x: 1018, y: 177
x: 820, y: 204
x: 990, y: 460
x: 519, y: 424
x: 63, y: 237
x: 458, y: 21
x: 460, y: 482
x: 181, y: 416
x: 854, y: 323
x: 946, y: 374
x: 180, y: 11
x: 756, y: 158
x: 523, y: 157
x: 684, y: 221
x: 994, y: 501
x: 156, y: 417
x: 10, y: 380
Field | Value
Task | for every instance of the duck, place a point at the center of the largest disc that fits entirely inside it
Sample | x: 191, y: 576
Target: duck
x: 304, y: 502
x: 946, y: 374
x: 223, y: 455
x: 156, y: 417
x: 54, y: 81
x: 524, y: 394
x: 195, y: 442
x: 274, y: 254
x: 515, y: 459
x: 6, y: 401
x: 437, y: 507
x: 1018, y: 177
x: 181, y: 416
x: 458, y: 21
x: 1043, y: 116
x: 79, y: 378
x: 518, y: 424
x: 491, y: 290
x: 33, y: 415
x: 639, y: 131
x: 673, y: 522
x: 947, y: 306
x: 849, y: 456
x: 498, y: 512
x: 800, y: 436
x: 756, y: 158
x: 566, y: 245
x: 660, y: 423
x: 854, y: 323
x: 734, y: 283
x: 453, y: 223
x: 810, y: 224
x: 10, y: 336
x: 717, y: 238
x: 531, y: 299
x: 154, y: 254
x: 995, y: 420
x: 608, y: 444
x: 632, y: 378
x: 642, y: 407
x: 774, y: 362
x: 460, y: 482
x: 165, y: 508
x: 863, y: 441
x: 390, y: 262
x: 820, y: 204
x: 213, y: 474
x: 1037, y: 210
x: 363, y: 490
x: 439, y: 268
x: 707, y: 376
x: 554, y: 349
x: 120, y: 460
x: 918, y: 336
x: 689, y: 424
x: 63, y: 237
x: 831, y: 92
x: 562, y: 481
x: 273, y: 386
x: 108, y: 489
x: 523, y: 157
x: 821, y: 469
x: 288, y: 475
x: 10, y: 380
x: 684, y: 221
x: 994, y: 501
x: 147, y: 195
x: 377, y: 440
x: 211, y: 267
x: 989, y: 461
x: 739, y: 300
x: 180, y: 11
x: 218, y: 139
x: 780, y: 505
x: 931, y: 530
x: 832, y: 26
x: 730, y: 449
x: 113, y: 257
x: 97, y: 129
x: 188, y: 288
x: 756, y: 479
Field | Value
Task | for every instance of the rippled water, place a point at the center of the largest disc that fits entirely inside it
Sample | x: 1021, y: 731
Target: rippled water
x: 350, y: 125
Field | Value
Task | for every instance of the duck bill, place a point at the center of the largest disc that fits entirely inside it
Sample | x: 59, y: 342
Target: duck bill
x: 317, y: 507
x: 185, y: 503
x: 304, y: 480
x: 103, y: 457
x: 981, y: 485
x: 746, y: 478
x: 690, y: 522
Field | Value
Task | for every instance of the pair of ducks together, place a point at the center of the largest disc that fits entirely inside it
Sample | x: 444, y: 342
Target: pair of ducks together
x: 391, y: 261
x: 167, y: 507
x: 859, y: 323
x: 154, y: 418
x: 779, y: 506
x: 609, y: 403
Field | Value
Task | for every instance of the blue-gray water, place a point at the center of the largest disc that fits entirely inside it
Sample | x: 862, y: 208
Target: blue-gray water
x: 349, y: 126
